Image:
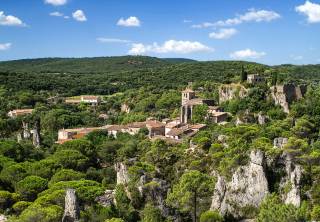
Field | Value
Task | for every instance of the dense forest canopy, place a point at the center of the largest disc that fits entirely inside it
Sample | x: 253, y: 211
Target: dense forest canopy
x: 260, y: 163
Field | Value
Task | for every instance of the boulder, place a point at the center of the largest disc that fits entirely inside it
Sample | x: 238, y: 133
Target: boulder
x: 280, y: 142
x: 107, y: 199
x: 3, y: 218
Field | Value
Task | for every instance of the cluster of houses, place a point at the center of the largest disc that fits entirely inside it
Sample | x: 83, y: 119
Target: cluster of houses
x: 168, y: 129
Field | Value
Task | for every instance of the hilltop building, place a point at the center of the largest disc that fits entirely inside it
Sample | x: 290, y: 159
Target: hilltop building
x: 188, y: 101
x: 19, y: 112
x: 255, y: 79
x: 88, y: 99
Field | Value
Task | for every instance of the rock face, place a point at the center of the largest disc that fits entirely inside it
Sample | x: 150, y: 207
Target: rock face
x: 36, y: 140
x: 3, y: 218
x: 292, y: 182
x: 248, y: 187
x: 262, y: 119
x: 284, y: 95
x: 71, y: 209
x: 107, y: 199
x: 125, y: 108
x: 122, y: 173
x: 231, y: 91
x: 280, y: 142
x: 156, y: 191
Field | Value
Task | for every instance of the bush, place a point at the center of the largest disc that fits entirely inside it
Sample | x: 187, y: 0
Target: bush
x: 30, y: 186
x: 315, y: 214
x: 66, y: 175
x: 151, y: 214
x: 13, y: 174
x: 211, y: 216
x: 7, y: 199
x: 50, y: 213
x: 20, y: 206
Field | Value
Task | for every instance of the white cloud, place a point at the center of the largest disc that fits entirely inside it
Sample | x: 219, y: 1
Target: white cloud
x: 5, y: 46
x: 79, y: 16
x: 57, y: 14
x: 132, y: 21
x: 10, y: 20
x: 252, y: 15
x: 56, y: 2
x: 187, y: 21
x: 170, y: 46
x: 223, y: 33
x: 247, y: 54
x: 311, y: 10
x: 111, y: 40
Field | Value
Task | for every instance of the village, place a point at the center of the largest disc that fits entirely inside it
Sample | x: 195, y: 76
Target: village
x: 177, y: 129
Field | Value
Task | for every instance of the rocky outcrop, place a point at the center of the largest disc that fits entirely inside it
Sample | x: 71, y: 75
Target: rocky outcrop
x: 244, y: 118
x: 284, y: 95
x: 262, y: 119
x: 291, y: 183
x: 156, y: 191
x: 71, y: 208
x: 231, y: 91
x: 125, y: 108
x: 107, y: 199
x: 3, y: 218
x: 280, y: 142
x: 36, y: 140
x: 247, y: 188
x: 122, y: 173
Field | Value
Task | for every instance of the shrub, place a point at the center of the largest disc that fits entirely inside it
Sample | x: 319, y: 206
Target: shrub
x: 20, y: 206
x: 30, y: 186
x: 211, y: 216
x: 66, y: 175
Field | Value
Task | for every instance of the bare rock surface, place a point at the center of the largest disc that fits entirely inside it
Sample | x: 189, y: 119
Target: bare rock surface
x: 247, y: 188
x: 71, y: 209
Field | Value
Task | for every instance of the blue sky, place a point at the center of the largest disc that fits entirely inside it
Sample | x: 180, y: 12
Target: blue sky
x: 266, y: 31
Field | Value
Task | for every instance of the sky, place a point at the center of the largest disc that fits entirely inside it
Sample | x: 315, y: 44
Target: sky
x: 265, y: 31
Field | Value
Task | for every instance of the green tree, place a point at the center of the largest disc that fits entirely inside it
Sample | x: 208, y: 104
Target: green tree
x: 191, y: 192
x: 244, y: 74
x: 151, y: 214
x: 66, y: 175
x: 211, y: 216
x: 273, y: 210
x: 199, y: 113
x: 30, y: 186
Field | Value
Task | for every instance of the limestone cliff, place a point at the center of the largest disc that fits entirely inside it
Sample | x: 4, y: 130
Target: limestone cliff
x: 231, y: 91
x: 247, y: 188
x: 284, y: 95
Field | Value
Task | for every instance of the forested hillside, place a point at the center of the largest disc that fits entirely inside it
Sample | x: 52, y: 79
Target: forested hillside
x: 260, y: 162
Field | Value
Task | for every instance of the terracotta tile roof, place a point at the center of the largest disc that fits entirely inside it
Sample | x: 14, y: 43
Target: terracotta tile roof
x: 21, y: 111
x: 90, y: 97
x: 154, y: 124
x: 136, y: 125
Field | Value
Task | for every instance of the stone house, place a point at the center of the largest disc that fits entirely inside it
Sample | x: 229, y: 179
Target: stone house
x: 19, y: 112
x: 188, y: 102
x: 255, y: 79
x: 87, y: 99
